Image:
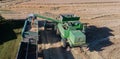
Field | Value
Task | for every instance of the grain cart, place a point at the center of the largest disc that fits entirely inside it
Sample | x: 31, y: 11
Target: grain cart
x: 28, y: 45
x: 69, y: 28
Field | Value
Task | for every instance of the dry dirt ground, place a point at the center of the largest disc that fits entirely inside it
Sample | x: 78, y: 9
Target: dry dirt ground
x: 101, y: 16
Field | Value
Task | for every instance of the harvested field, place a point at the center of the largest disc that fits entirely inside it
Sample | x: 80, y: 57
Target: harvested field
x: 102, y: 18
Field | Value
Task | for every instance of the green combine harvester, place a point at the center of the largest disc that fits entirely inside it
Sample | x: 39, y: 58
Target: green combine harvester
x: 68, y: 26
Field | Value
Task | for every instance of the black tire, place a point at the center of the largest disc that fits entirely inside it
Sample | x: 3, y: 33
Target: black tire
x: 63, y: 41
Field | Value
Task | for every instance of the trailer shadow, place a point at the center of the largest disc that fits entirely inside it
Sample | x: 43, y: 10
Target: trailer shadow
x: 97, y: 38
x: 7, y: 29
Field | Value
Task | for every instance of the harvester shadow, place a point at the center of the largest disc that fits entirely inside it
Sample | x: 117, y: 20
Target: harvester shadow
x: 7, y: 29
x: 97, y: 38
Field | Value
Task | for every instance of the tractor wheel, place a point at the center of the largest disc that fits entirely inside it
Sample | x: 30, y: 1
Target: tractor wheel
x: 63, y: 43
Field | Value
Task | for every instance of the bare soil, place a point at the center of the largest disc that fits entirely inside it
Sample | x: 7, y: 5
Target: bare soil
x: 102, y: 18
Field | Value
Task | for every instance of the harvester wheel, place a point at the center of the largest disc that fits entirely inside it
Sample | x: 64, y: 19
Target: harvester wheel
x: 63, y: 42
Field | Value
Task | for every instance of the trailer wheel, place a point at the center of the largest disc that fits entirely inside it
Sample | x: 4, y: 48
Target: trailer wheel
x: 63, y: 43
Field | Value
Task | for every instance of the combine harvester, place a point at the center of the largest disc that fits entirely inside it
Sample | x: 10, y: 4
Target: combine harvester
x: 68, y: 26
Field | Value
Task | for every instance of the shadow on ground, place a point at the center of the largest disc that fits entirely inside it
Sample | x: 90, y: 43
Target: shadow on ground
x: 7, y: 27
x: 97, y: 38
